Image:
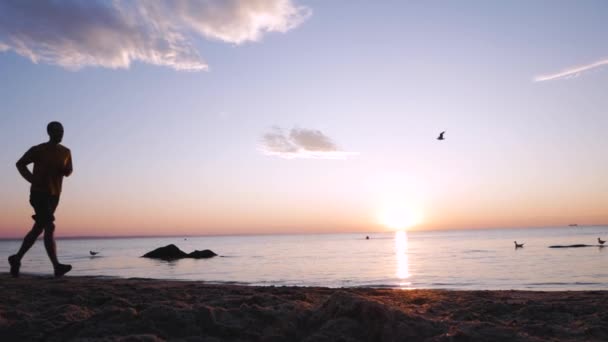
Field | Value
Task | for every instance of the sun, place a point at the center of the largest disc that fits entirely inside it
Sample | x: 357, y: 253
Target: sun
x: 399, y: 215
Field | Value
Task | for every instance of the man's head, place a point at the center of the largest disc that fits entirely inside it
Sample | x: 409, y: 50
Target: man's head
x: 55, y: 131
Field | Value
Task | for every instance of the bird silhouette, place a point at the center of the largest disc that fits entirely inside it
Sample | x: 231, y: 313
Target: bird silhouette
x: 601, y: 241
x: 518, y: 245
x: 93, y: 253
x: 440, y: 137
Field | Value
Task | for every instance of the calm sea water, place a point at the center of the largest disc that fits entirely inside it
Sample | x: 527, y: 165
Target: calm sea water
x: 464, y: 260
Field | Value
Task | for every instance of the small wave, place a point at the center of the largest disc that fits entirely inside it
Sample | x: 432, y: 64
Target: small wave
x: 564, y: 283
x: 240, y: 256
x: 451, y: 284
x: 378, y: 286
x: 240, y: 283
x: 82, y: 257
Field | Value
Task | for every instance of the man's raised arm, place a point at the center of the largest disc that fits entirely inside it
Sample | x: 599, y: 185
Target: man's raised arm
x: 23, y: 163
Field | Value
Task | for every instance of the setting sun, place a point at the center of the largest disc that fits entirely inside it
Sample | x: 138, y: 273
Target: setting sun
x: 399, y: 215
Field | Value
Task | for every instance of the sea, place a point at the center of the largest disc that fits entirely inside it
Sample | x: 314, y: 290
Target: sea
x: 456, y: 260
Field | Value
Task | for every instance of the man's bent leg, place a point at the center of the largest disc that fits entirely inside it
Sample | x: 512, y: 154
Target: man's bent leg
x: 51, y: 250
x: 49, y: 243
x: 28, y: 242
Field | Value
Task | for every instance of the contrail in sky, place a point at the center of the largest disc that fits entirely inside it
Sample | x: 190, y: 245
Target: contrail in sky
x: 570, y: 72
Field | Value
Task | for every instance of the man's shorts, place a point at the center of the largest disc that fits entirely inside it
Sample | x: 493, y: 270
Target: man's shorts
x: 44, y: 206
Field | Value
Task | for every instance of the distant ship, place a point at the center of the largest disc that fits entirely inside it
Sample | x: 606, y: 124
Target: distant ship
x: 573, y: 225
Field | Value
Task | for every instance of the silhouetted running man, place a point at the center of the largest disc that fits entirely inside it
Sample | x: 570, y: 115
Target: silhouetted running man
x: 52, y: 161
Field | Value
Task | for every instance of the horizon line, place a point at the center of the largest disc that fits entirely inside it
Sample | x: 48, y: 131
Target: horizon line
x: 79, y: 237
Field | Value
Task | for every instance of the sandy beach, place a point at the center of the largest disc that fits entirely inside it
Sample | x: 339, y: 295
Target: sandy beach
x: 86, y: 308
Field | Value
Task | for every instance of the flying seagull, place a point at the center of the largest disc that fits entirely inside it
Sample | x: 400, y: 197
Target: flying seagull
x: 518, y: 245
x: 93, y: 253
x: 440, y: 137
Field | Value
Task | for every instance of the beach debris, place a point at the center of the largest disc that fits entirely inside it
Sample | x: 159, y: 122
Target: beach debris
x: 518, y: 245
x: 440, y: 137
x: 172, y: 252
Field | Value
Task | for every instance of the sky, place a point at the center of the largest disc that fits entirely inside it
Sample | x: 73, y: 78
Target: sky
x: 288, y: 116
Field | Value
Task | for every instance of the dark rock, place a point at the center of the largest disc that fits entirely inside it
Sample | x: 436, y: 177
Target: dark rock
x: 573, y: 246
x: 204, y: 254
x: 172, y: 252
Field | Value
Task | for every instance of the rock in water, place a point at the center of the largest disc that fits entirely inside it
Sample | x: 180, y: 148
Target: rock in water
x: 170, y: 252
x: 204, y: 254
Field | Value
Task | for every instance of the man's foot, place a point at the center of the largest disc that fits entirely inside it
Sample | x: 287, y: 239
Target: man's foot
x: 15, y: 263
x: 62, y: 269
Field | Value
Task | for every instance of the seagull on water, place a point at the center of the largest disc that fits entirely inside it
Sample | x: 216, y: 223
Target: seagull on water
x: 440, y: 137
x: 601, y: 241
x: 518, y: 245
x: 93, y: 253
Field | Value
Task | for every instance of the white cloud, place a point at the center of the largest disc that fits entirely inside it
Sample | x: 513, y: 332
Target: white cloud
x: 115, y: 33
x: 238, y: 21
x: 301, y: 143
x: 571, y: 72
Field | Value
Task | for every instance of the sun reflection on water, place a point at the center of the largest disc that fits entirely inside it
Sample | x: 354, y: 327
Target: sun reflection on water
x: 403, y: 265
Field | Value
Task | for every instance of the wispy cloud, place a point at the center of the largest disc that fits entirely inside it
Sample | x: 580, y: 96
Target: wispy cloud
x: 571, y: 72
x: 115, y: 33
x: 301, y: 143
